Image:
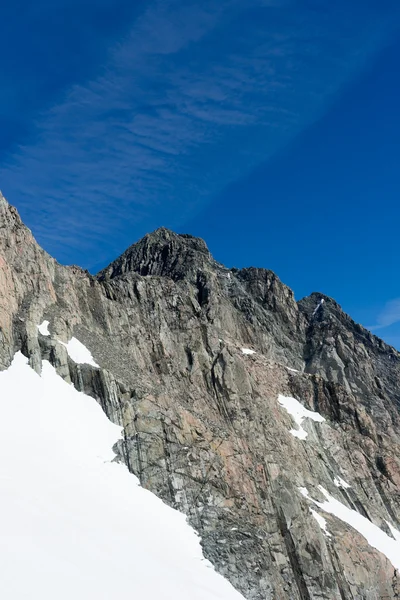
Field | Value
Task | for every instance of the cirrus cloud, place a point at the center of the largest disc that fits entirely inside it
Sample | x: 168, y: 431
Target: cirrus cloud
x: 389, y: 315
x: 195, y: 96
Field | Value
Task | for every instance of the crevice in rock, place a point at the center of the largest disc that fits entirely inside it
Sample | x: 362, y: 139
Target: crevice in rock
x: 293, y: 556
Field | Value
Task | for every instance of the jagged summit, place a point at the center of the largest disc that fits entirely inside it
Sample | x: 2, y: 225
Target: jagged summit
x: 183, y: 256
x: 9, y: 216
x: 324, y: 312
x: 162, y: 252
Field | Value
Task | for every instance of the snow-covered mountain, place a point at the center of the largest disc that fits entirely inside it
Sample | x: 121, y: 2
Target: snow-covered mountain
x: 168, y: 395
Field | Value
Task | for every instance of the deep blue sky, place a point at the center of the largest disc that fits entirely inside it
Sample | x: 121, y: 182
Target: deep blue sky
x: 268, y: 127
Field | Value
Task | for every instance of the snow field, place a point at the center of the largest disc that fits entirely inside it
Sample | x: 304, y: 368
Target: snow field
x: 75, y: 525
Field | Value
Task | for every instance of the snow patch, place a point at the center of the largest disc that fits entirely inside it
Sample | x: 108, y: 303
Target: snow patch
x: 321, y: 521
x: 74, y: 524
x: 376, y: 538
x: 339, y: 482
x: 79, y: 353
x: 320, y: 303
x: 44, y: 328
x: 248, y: 351
x: 299, y: 413
x: 293, y: 370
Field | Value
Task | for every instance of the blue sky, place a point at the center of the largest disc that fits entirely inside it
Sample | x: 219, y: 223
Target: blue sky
x: 268, y: 127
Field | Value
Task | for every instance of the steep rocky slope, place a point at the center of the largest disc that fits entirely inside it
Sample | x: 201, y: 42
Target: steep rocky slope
x: 203, y: 427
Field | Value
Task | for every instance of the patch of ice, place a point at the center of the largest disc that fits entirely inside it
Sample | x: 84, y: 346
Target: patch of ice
x: 339, y: 482
x: 74, y: 524
x: 376, y: 538
x: 320, y: 520
x: 248, y: 351
x: 79, y: 353
x: 299, y: 413
x: 293, y: 370
x: 304, y: 492
x: 44, y: 328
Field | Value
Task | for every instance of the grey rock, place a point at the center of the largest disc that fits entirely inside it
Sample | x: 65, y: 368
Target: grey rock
x: 202, y: 427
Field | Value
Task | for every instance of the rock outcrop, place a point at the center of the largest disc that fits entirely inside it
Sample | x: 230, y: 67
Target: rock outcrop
x: 203, y: 428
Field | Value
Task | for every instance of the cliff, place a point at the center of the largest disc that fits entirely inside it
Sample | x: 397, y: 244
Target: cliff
x: 195, y: 362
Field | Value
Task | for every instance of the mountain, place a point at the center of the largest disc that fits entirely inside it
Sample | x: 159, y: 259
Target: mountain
x: 273, y: 425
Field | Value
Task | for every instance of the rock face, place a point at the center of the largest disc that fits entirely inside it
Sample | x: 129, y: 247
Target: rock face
x: 203, y: 427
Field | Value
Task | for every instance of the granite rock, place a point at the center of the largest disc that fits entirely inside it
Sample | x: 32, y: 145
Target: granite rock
x: 202, y: 425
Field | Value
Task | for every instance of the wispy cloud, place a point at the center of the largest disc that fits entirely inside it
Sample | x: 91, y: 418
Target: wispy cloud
x: 389, y: 315
x: 195, y: 96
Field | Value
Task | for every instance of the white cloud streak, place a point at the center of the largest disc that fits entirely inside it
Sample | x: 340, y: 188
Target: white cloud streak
x: 389, y: 315
x: 196, y: 96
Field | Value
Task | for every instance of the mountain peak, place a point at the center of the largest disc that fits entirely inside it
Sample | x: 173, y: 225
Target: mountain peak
x: 9, y: 216
x: 161, y: 252
x: 168, y: 235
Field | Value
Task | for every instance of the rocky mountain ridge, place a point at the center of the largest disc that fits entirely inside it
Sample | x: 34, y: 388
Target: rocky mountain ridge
x: 193, y: 358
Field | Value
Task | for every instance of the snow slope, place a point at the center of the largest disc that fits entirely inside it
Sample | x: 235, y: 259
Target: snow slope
x: 75, y: 525
x: 376, y: 537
